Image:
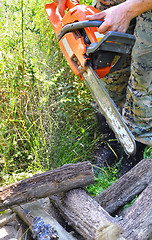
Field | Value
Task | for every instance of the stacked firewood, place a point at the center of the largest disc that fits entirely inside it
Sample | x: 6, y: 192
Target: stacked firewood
x: 69, y: 204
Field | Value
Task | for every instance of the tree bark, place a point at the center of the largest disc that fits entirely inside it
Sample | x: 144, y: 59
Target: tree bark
x: 137, y: 223
x: 86, y: 216
x: 30, y: 211
x: 127, y: 187
x: 42, y: 185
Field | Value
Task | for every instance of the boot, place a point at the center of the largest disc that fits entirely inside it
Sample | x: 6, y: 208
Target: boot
x: 128, y: 162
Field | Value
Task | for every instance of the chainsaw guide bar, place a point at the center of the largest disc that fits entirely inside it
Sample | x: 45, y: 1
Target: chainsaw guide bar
x: 109, y: 110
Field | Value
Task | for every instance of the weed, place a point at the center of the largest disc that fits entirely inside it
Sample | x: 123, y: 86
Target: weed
x: 148, y: 152
x: 129, y: 204
x: 103, y: 179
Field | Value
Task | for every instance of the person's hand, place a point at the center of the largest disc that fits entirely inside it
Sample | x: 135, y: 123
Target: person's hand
x: 61, y: 6
x: 115, y: 19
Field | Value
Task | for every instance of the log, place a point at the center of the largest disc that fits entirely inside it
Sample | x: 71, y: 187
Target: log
x: 54, y: 212
x: 86, y: 216
x: 127, y: 187
x: 7, y: 217
x: 137, y: 223
x: 36, y: 217
x: 42, y: 185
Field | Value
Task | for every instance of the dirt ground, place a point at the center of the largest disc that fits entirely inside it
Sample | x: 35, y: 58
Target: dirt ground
x: 15, y: 230
x: 10, y: 231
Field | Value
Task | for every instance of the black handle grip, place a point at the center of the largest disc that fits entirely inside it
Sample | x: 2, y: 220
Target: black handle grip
x: 78, y: 25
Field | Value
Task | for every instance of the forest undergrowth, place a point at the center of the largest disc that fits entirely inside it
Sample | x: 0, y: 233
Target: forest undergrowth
x: 46, y: 117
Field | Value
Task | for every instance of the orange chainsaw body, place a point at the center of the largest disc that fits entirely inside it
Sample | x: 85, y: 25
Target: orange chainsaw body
x: 72, y: 43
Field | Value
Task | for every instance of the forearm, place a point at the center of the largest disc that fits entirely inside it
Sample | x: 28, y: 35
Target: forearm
x: 136, y: 7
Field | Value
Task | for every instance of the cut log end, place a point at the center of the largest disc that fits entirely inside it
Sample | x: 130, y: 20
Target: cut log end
x: 108, y: 232
x: 86, y: 216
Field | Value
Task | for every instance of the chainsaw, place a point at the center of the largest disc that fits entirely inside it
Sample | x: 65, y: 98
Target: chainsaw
x: 91, y: 56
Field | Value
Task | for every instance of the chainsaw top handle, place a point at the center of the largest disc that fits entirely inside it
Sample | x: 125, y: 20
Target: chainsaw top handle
x: 78, y: 25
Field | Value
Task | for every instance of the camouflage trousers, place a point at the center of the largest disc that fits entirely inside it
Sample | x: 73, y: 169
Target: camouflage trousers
x: 131, y: 89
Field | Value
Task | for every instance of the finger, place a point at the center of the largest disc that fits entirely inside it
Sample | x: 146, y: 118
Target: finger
x: 104, y: 28
x: 96, y: 16
x: 56, y: 1
x: 61, y: 7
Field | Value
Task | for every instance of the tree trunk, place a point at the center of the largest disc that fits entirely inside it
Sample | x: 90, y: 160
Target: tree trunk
x: 36, y: 217
x: 127, y: 187
x: 137, y: 223
x: 42, y: 185
x: 86, y: 216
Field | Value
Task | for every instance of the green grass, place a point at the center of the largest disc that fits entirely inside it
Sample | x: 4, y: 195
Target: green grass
x: 45, y: 115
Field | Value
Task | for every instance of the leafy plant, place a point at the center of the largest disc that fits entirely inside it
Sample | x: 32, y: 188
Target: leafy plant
x: 148, y: 152
x: 130, y: 203
x: 103, y: 179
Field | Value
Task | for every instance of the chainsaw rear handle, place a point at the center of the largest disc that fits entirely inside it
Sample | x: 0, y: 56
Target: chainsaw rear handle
x: 78, y: 25
x: 53, y: 13
x: 70, y: 4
